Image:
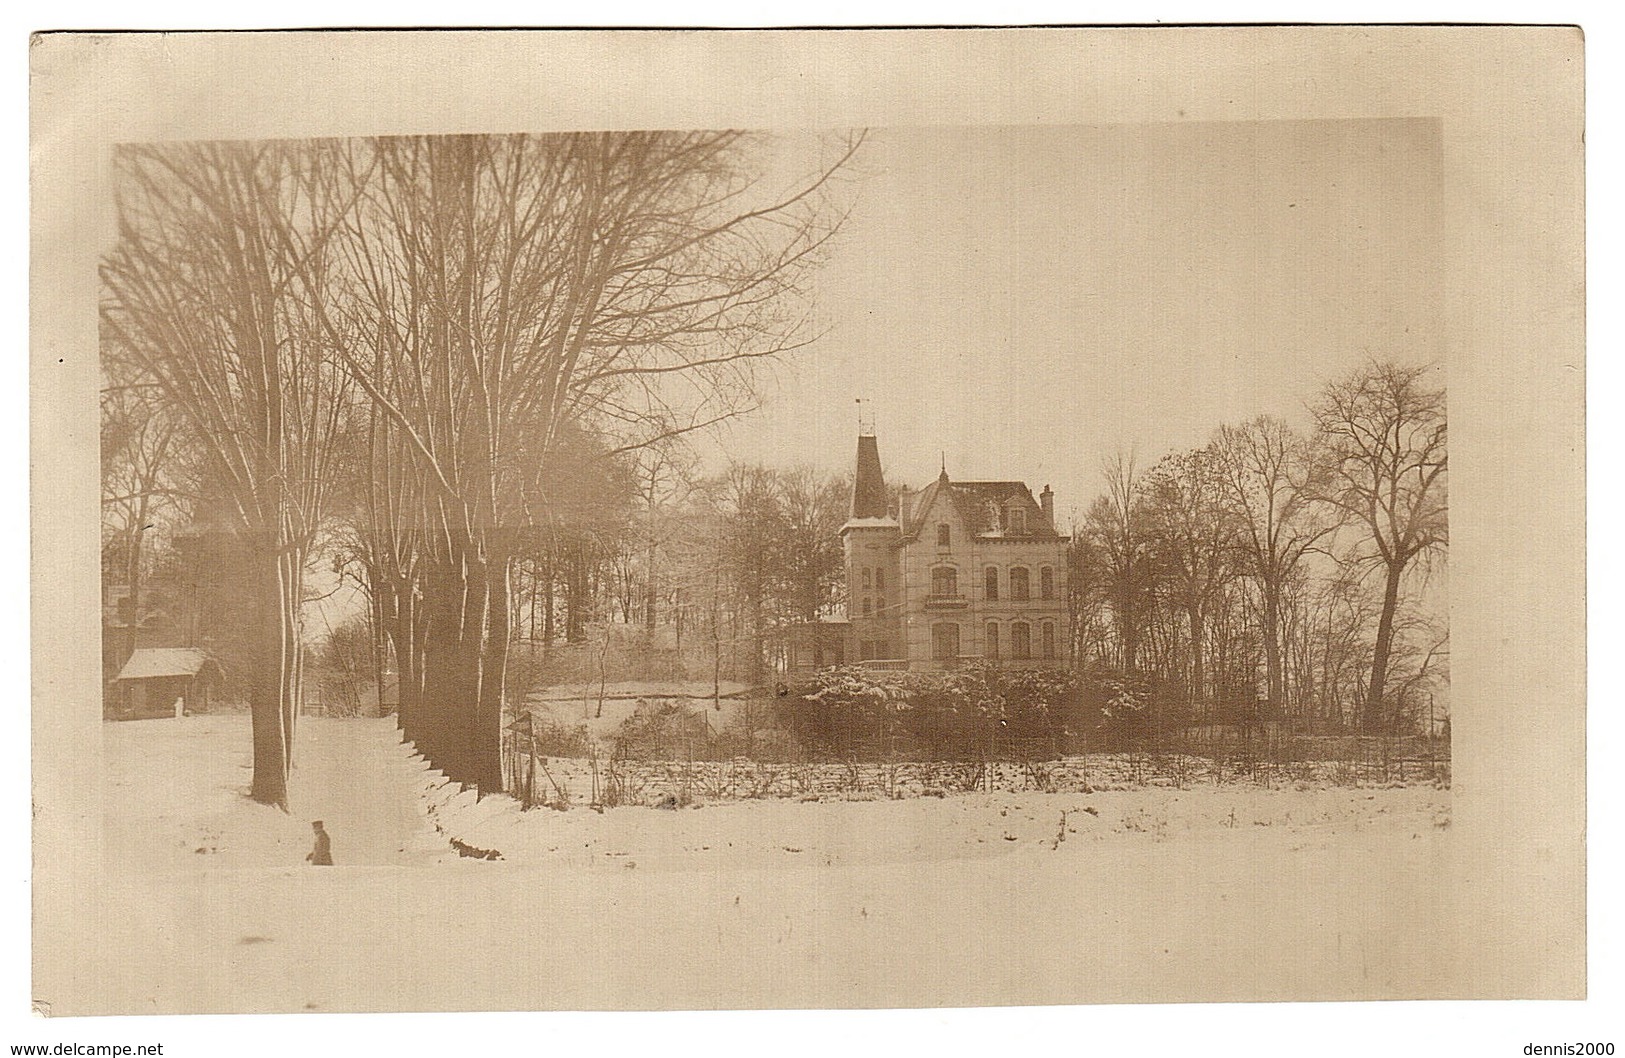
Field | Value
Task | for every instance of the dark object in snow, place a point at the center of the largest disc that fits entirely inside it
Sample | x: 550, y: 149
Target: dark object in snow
x: 1091, y: 810
x: 322, y: 854
x: 474, y: 853
x: 668, y: 801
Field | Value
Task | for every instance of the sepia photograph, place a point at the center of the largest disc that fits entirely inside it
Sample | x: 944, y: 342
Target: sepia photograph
x: 787, y: 554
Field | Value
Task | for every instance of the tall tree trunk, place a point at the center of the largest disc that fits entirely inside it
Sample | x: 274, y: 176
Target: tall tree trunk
x: 465, y: 705
x: 1375, y: 714
x: 444, y: 594
x: 487, y: 757
x: 1198, y: 663
x: 649, y: 591
x: 549, y: 620
x: 273, y: 691
x: 1272, y: 643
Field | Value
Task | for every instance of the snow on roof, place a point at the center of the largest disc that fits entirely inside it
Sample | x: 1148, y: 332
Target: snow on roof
x: 974, y: 501
x: 870, y: 523
x: 149, y: 663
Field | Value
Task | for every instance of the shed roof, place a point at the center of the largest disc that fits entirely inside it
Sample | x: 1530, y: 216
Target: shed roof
x: 155, y: 662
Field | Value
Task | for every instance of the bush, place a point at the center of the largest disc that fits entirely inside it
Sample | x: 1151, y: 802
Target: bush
x: 977, y: 712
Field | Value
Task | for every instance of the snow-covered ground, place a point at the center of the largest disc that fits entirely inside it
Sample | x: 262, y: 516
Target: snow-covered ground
x: 1213, y: 892
x: 176, y: 796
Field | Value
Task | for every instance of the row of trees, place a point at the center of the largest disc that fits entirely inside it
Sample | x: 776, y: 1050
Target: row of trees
x: 692, y: 568
x: 438, y: 348
x: 1278, y: 564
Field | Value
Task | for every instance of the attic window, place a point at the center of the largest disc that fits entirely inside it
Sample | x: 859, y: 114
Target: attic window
x: 1018, y: 520
x: 943, y: 536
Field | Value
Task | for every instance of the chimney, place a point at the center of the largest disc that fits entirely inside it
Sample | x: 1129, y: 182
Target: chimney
x: 1046, y: 499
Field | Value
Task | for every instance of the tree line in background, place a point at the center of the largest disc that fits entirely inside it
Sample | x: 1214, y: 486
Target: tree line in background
x: 1272, y: 573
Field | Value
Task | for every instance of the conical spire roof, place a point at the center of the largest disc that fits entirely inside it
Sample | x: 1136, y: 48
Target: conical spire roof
x: 869, y: 487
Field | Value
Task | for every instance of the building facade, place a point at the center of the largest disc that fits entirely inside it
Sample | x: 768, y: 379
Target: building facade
x: 959, y: 571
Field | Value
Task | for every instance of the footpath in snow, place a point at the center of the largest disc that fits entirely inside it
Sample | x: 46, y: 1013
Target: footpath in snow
x: 176, y: 797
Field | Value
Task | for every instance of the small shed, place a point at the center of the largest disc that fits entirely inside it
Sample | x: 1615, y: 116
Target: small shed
x: 169, y: 681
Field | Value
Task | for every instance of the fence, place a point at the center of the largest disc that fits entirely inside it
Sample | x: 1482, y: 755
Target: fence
x: 613, y: 775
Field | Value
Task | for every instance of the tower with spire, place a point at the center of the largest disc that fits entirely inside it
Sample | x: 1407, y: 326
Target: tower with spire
x: 957, y: 572
x: 869, y: 541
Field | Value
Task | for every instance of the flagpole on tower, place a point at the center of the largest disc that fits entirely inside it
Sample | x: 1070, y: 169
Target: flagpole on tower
x: 866, y: 420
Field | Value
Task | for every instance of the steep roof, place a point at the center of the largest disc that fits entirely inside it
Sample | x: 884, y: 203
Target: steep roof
x: 982, y: 506
x: 152, y: 662
x: 869, y: 486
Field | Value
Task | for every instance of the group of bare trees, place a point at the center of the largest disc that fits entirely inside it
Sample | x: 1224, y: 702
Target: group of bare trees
x: 435, y: 348
x: 1277, y: 567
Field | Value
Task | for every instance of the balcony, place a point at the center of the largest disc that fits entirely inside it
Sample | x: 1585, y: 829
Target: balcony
x: 946, y: 602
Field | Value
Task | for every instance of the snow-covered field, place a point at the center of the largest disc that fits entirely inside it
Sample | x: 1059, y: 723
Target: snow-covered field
x: 1212, y: 892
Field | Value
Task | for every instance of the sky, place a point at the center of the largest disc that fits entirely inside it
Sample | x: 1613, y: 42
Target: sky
x: 1023, y: 302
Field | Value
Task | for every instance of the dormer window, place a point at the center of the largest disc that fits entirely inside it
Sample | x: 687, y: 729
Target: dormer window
x: 1017, y: 520
x: 944, y: 536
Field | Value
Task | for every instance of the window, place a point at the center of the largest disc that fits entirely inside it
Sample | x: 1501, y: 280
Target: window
x: 1021, y: 640
x: 1018, y: 520
x: 880, y: 604
x: 992, y: 590
x: 866, y: 650
x: 1049, y: 639
x: 883, y: 648
x: 1018, y: 584
x: 880, y: 579
x: 944, y: 581
x: 945, y: 642
x: 943, y: 536
x: 990, y: 645
x: 1046, y: 583
x: 866, y: 578
x: 867, y: 607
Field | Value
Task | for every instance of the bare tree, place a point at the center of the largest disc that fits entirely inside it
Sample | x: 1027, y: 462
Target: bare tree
x: 814, y: 509
x: 506, y: 288
x: 138, y: 450
x: 1195, y: 533
x: 1118, y: 545
x: 201, y: 301
x: 1266, y: 471
x: 1382, y: 439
